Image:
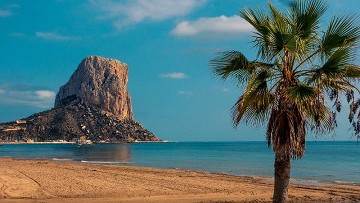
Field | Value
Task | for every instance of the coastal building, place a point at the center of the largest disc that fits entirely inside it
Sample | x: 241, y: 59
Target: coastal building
x: 20, y: 122
x: 29, y: 141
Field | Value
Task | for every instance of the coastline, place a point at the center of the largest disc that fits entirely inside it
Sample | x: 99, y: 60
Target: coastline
x: 5, y: 143
x: 32, y: 180
x: 68, y: 142
x: 55, y: 142
x: 195, y: 158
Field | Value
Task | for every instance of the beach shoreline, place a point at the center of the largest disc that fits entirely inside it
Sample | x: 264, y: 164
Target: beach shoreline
x: 26, y: 180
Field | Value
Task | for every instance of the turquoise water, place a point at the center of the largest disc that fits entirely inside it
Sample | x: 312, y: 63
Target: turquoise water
x: 324, y: 161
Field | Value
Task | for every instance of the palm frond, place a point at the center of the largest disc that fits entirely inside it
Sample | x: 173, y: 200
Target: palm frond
x: 232, y: 63
x: 254, y: 105
x: 341, y: 32
x: 306, y: 16
x: 256, y: 18
x: 300, y: 94
x: 320, y: 118
x: 337, y: 64
x: 310, y: 102
x: 349, y: 95
x: 278, y: 41
x: 352, y: 72
x: 235, y: 64
x: 259, y: 21
x: 280, y: 19
x: 354, y: 106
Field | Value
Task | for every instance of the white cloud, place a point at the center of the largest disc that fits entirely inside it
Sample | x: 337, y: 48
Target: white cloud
x: 17, y: 34
x: 136, y: 11
x: 5, y: 13
x: 185, y: 92
x: 53, y: 36
x: 8, y: 10
x: 226, y: 90
x: 45, y: 94
x: 174, y: 75
x: 27, y: 97
x: 217, y: 25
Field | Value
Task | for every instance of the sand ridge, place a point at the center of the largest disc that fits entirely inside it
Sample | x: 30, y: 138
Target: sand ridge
x: 50, y: 181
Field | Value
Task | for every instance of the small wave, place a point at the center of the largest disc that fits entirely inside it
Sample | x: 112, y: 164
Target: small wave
x: 105, y: 162
x: 344, y: 182
x: 61, y: 159
x: 308, y: 182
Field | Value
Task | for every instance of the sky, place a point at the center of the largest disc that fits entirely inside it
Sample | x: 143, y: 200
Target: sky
x: 167, y: 45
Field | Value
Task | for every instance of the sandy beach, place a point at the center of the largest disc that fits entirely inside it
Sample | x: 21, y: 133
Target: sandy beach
x: 50, y: 181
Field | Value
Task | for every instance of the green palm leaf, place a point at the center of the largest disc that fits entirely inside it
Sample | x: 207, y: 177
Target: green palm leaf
x: 260, y: 22
x: 352, y: 72
x: 300, y: 93
x: 306, y: 16
x: 341, y: 32
x: 335, y: 67
x: 235, y: 64
x: 255, y: 104
x: 232, y: 63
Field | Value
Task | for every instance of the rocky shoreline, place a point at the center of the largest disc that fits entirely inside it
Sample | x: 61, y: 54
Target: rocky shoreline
x: 71, y: 121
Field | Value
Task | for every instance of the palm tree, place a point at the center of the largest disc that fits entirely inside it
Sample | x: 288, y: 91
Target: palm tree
x: 298, y: 66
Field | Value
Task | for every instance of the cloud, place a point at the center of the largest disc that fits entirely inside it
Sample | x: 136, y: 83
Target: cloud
x: 5, y: 13
x: 26, y: 97
x: 45, y: 94
x: 8, y: 10
x: 226, y: 90
x: 185, y: 92
x: 53, y: 36
x: 174, y: 75
x: 136, y: 11
x: 17, y: 34
x: 217, y: 25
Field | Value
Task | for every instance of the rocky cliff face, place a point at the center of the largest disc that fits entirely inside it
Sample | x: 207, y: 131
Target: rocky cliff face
x: 93, y: 103
x: 101, y: 83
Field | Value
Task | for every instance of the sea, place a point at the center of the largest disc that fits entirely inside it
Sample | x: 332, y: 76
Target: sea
x: 325, y: 162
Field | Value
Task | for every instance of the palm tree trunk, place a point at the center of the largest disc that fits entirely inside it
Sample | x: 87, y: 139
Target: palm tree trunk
x: 282, y: 177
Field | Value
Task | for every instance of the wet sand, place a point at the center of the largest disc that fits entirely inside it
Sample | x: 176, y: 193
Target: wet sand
x: 50, y: 181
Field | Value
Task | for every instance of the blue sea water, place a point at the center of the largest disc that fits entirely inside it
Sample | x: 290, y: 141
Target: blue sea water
x: 331, y: 162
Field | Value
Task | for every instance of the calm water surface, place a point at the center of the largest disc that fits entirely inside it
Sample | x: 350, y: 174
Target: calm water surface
x: 324, y: 161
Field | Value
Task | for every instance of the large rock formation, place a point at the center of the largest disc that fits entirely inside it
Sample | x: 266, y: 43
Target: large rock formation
x: 93, y: 103
x: 100, y: 83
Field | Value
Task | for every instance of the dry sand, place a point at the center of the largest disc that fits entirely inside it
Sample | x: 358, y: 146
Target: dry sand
x: 48, y: 181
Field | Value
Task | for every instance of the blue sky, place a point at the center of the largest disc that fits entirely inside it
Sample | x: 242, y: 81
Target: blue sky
x: 166, y: 43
